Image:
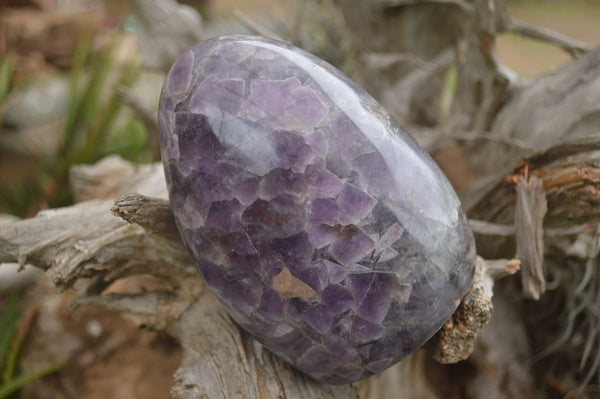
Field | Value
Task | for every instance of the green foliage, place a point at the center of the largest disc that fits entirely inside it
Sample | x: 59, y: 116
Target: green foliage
x: 92, y: 115
x: 96, y: 124
x: 12, y: 334
x: 7, y: 67
x: 130, y: 142
x: 93, y: 111
x: 19, y: 197
x: 9, y: 320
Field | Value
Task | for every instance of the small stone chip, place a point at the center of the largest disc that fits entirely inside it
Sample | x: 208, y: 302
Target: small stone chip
x: 288, y: 286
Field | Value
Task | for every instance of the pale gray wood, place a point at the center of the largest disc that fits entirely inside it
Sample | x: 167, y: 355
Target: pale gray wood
x: 530, y: 210
x: 85, y: 243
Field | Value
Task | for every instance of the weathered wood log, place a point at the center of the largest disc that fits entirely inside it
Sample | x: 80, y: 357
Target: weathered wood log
x: 549, y: 111
x: 85, y: 242
x: 509, y: 128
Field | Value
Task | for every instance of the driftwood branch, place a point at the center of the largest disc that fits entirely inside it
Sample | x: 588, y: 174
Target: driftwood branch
x: 454, y: 343
x: 573, y: 47
x: 487, y: 228
x: 500, y: 268
x: 570, y: 178
x: 509, y: 23
x: 381, y: 61
x: 85, y: 242
x: 415, y: 79
x: 152, y: 213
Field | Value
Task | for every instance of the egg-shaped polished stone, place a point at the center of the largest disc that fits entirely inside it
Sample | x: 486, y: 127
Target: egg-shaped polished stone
x: 320, y: 225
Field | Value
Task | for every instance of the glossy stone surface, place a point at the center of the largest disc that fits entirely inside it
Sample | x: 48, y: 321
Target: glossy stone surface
x: 321, y: 226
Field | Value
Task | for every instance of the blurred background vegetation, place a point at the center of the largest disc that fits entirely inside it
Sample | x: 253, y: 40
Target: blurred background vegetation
x: 61, y: 61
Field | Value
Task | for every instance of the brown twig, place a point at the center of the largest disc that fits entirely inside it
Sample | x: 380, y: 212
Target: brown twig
x: 500, y: 268
x: 386, y: 60
x: 511, y: 24
x: 152, y: 213
x: 571, y: 46
x: 495, y: 229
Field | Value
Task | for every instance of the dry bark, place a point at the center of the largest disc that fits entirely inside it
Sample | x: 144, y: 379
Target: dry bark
x: 530, y: 210
x: 510, y: 128
x: 85, y: 243
x: 557, y: 108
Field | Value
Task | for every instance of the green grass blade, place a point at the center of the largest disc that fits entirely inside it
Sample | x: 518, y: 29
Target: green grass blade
x: 9, y: 320
x: 19, y: 382
x: 82, y: 53
x: 7, y: 67
x: 107, y: 114
x: 15, y: 348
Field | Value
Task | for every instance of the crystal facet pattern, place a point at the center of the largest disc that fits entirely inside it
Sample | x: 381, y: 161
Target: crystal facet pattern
x: 320, y: 225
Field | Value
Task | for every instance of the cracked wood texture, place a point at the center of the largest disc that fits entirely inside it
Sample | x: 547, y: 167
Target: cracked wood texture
x: 530, y: 210
x: 85, y: 242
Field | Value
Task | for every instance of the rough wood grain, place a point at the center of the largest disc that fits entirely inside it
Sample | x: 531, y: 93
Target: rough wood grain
x: 530, y: 210
x: 558, y: 107
x: 152, y: 213
x: 85, y: 243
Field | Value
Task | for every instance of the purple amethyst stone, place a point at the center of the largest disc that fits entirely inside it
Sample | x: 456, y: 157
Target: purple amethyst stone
x: 321, y: 226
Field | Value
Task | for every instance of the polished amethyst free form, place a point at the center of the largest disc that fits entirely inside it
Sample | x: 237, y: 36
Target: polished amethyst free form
x: 320, y: 225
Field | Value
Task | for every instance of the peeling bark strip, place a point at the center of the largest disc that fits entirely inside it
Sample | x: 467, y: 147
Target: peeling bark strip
x: 219, y: 359
x: 530, y: 210
x: 570, y: 177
